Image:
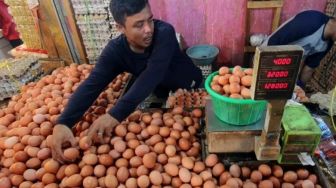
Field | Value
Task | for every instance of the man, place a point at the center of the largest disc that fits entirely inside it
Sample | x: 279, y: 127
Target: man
x: 8, y: 26
x: 149, y: 50
x: 314, y: 31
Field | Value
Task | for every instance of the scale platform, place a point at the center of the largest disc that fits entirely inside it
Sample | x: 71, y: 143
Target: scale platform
x: 225, y: 138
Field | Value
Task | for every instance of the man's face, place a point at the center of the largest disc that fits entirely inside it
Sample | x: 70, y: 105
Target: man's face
x: 139, y: 29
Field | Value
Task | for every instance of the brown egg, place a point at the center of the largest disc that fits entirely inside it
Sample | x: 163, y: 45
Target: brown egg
x: 184, y: 144
x: 155, y: 177
x: 184, y: 175
x: 5, y: 182
x: 141, y: 150
x: 287, y: 185
x: 290, y: 177
x: 105, y: 159
x: 120, y: 146
x: 196, y: 180
x: 90, y: 159
x: 223, y: 70
x: 275, y: 181
x: 99, y: 171
x: 197, y: 113
x: 246, y: 80
x: 246, y: 172
x: 30, y: 175
x: 218, y: 169
x: 120, y: 130
x: 307, y: 184
x: 265, y: 170
x: 86, y: 170
x: 266, y: 184
x: 302, y: 173
x: 198, y: 167
x: 235, y: 170
x: 248, y: 71
x: 146, y: 118
x: 71, y: 153
x: 313, y: 178
x: 90, y: 182
x: 17, y: 168
x: 149, y: 160
x: 83, y: 143
x: 111, y: 181
x: 143, y: 181
x: 277, y: 171
x: 206, y: 175
x: 232, y: 182
x: 74, y: 181
x: 211, y: 160
x: 187, y: 163
x: 48, y: 178
x: 33, y: 163
x: 245, y: 93
x: 234, y: 79
x: 234, y: 88
x: 122, y: 174
x: 51, y: 166
x: 171, y: 169
x: 256, y: 176
x: 170, y: 150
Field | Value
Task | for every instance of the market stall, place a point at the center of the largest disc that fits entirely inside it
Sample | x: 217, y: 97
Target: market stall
x: 245, y: 127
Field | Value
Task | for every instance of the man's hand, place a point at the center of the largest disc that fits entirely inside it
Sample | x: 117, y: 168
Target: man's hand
x: 61, y: 135
x: 102, y: 126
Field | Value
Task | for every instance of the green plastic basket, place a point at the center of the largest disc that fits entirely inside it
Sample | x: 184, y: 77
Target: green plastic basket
x: 235, y: 111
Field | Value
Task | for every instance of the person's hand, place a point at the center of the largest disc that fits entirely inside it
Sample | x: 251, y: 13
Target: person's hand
x: 61, y: 135
x: 102, y: 126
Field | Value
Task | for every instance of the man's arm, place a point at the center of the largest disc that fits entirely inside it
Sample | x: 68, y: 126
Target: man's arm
x: 106, y: 69
x: 164, y: 46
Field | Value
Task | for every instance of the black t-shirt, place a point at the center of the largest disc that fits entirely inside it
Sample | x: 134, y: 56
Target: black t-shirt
x: 162, y: 64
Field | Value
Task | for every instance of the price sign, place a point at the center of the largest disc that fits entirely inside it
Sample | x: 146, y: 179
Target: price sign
x: 275, y: 71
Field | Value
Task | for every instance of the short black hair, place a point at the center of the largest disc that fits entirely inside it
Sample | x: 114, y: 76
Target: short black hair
x: 120, y: 9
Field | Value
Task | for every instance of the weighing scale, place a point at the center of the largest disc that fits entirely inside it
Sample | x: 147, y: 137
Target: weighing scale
x: 275, y: 72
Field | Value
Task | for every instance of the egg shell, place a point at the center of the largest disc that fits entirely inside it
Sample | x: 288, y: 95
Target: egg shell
x: 155, y: 177
x: 211, y: 160
x: 143, y: 181
x: 235, y: 170
x: 265, y: 170
x: 290, y: 177
x: 184, y: 175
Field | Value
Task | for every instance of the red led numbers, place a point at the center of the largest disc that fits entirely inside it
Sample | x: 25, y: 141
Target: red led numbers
x: 271, y: 86
x: 282, y: 61
x: 277, y: 74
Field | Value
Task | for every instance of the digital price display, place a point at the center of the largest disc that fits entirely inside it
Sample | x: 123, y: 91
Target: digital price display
x: 275, y: 71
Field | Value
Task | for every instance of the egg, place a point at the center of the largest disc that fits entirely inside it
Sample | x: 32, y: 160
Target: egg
x: 246, y: 172
x: 184, y: 175
x: 143, y: 181
x: 141, y: 150
x: 90, y: 159
x: 313, y: 178
x: 74, y: 181
x: 155, y: 177
x: 171, y: 169
x: 99, y: 171
x: 218, y: 169
x: 235, y: 170
x: 223, y: 71
x: 232, y: 182
x: 149, y: 160
x: 120, y: 146
x: 277, y: 171
x: 302, y: 173
x: 184, y: 144
x: 249, y: 184
x: 275, y: 181
x: 122, y: 174
x: 111, y: 181
x: 266, y: 184
x: 51, y: 166
x: 71, y: 154
x: 211, y: 160
x: 265, y: 170
x: 86, y: 170
x: 256, y: 176
x: 170, y: 150
x: 290, y: 177
x: 90, y: 182
x: 246, y: 80
x: 287, y: 185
